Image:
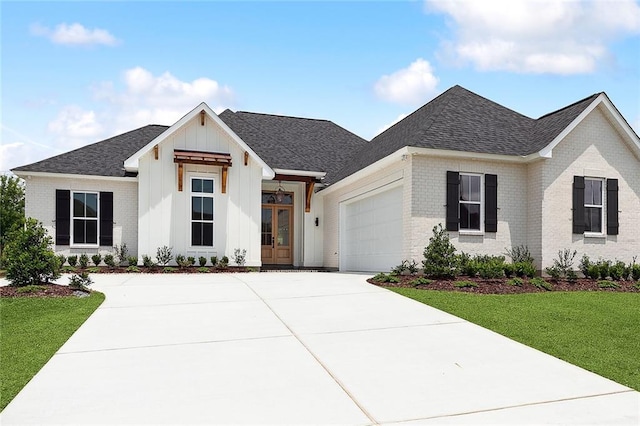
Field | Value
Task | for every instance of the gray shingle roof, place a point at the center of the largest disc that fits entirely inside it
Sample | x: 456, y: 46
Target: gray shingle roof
x: 104, y: 158
x: 460, y: 120
x: 295, y: 143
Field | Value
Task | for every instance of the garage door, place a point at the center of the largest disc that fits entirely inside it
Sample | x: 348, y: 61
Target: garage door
x: 372, y: 232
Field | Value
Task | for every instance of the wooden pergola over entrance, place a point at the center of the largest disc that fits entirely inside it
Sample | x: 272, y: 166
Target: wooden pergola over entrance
x: 181, y: 157
x: 309, y: 183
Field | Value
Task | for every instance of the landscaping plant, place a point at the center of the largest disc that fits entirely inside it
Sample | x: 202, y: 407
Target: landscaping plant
x: 132, y: 260
x: 224, y: 262
x: 121, y: 253
x: 214, y: 261
x: 28, y: 256
x: 147, y: 262
x: 519, y: 254
x: 440, y: 260
x: 80, y: 281
x: 239, y: 257
x: 202, y: 261
x: 109, y: 260
x: 163, y: 255
x: 562, y: 266
x: 72, y: 260
x: 191, y: 260
x: 83, y: 260
x: 96, y: 259
x: 61, y: 259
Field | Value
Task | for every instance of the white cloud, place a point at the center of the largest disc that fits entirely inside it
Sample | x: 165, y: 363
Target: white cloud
x: 74, y: 126
x: 412, y: 85
x: 535, y: 36
x: 386, y: 126
x: 74, y: 34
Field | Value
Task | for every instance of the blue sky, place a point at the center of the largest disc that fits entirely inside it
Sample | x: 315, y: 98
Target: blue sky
x: 74, y: 73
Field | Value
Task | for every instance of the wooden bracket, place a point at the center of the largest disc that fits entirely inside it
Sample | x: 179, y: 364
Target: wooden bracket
x: 246, y: 158
x: 155, y: 151
x: 180, y: 176
x: 202, y: 114
x: 224, y: 179
x: 309, y: 187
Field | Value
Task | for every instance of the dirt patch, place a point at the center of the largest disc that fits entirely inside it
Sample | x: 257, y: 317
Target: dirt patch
x: 502, y: 286
x: 41, y: 290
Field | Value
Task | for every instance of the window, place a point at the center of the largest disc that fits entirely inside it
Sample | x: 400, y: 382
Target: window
x: 593, y: 205
x: 470, y: 202
x: 85, y: 218
x: 202, y: 212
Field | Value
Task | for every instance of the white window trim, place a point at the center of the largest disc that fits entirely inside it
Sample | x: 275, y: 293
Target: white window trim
x: 481, y: 203
x: 214, y: 178
x: 73, y: 217
x: 603, y: 193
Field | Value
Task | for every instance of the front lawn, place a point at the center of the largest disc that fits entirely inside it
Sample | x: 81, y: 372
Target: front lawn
x: 32, y: 330
x: 598, y: 331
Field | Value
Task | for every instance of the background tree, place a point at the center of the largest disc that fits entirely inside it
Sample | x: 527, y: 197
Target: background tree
x: 11, y: 206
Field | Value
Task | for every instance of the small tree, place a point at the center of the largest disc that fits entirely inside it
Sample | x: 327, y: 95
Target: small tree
x: 28, y: 256
x: 164, y: 255
x: 11, y: 206
x: 440, y: 260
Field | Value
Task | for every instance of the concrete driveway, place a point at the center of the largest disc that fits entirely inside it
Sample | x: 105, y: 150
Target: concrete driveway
x: 299, y: 348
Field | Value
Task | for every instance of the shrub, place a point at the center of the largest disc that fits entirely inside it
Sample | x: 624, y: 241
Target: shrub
x: 203, y: 269
x: 585, y: 264
x: 491, y: 266
x: 421, y: 281
x: 608, y: 284
x: 147, y: 262
x: 68, y: 269
x: 224, y: 262
x: 440, y: 258
x: 541, y: 284
x: 617, y: 271
x: 406, y: 266
x: 121, y: 253
x: 202, y: 261
x: 465, y: 284
x: 635, y: 271
x: 603, y: 266
x: 518, y: 282
x: 132, y: 260
x: 61, y: 259
x: 593, y: 271
x: 93, y: 270
x: 133, y: 268
x: 182, y: 261
x: 525, y: 269
x: 562, y: 265
x: 83, y: 260
x: 466, y: 265
x: 163, y: 255
x: 109, y: 260
x: 214, y: 261
x: 72, y: 260
x: 96, y: 259
x: 81, y: 281
x: 168, y: 269
x: 192, y: 260
x: 572, y: 276
x: 554, y: 272
x: 386, y: 278
x: 28, y: 257
x: 509, y: 269
x: 519, y: 254
x: 31, y: 288
x: 239, y: 257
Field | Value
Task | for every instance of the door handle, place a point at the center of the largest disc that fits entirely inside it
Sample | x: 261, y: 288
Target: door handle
x: 273, y: 242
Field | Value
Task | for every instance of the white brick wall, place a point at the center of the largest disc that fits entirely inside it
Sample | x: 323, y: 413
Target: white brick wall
x: 594, y: 149
x: 40, y: 203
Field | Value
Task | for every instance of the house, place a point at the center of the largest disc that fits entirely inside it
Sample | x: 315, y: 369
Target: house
x: 308, y: 193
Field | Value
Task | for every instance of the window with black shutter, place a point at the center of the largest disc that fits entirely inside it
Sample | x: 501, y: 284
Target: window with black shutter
x: 453, y: 199
x: 63, y: 217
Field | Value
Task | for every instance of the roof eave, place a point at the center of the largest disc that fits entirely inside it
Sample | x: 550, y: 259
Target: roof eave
x: 26, y: 174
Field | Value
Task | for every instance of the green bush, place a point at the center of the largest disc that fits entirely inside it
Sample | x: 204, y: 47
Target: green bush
x: 224, y: 262
x: 168, y: 269
x: 28, y: 257
x: 518, y: 282
x: 202, y: 261
x: 132, y: 260
x: 83, y: 260
x: 109, y: 260
x: 81, y: 281
x: 406, y: 266
x: 133, y: 268
x: 147, y: 262
x: 593, y: 271
x: 61, y: 259
x: 72, y: 260
x: 421, y: 281
x: 608, y: 284
x: 519, y: 254
x: 541, y: 284
x: 96, y: 259
x: 562, y: 265
x: 203, y: 269
x: 31, y: 288
x: 214, y: 261
x: 585, y: 264
x: 191, y: 260
x: 467, y: 265
x: 182, y: 261
x: 635, y: 271
x: 121, y: 253
x: 572, y: 276
x: 440, y: 260
x: 163, y: 255
x: 603, y: 267
x: 93, y: 270
x: 239, y: 256
x: 386, y: 278
x: 509, y: 269
x: 617, y: 271
x: 525, y: 269
x: 465, y: 284
x: 491, y: 266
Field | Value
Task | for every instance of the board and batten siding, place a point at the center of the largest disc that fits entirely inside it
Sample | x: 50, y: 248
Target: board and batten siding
x: 40, y: 204
x: 593, y: 149
x: 165, y: 212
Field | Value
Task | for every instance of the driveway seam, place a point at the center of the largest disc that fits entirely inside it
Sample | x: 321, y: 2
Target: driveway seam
x: 508, y: 407
x: 329, y: 372
x: 385, y: 328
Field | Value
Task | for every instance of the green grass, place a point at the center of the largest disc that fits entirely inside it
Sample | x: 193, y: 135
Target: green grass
x: 598, y: 331
x: 31, y: 331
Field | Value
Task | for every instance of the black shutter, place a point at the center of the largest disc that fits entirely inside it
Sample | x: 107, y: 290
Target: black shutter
x: 453, y: 200
x: 106, y: 219
x: 491, y: 203
x: 63, y: 216
x: 578, y: 204
x: 612, y: 206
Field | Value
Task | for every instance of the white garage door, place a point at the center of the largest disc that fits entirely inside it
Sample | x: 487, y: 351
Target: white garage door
x: 372, y: 232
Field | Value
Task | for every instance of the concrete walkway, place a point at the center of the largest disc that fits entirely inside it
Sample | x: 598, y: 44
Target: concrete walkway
x: 299, y: 348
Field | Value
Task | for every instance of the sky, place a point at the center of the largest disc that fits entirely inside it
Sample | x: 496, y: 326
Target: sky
x: 74, y: 73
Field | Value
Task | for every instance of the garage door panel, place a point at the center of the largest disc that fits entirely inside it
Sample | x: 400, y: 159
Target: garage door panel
x: 373, y: 232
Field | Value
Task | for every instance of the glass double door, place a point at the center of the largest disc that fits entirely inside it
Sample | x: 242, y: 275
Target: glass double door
x: 277, y: 235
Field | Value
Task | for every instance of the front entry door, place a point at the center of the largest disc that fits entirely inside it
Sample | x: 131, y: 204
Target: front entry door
x: 277, y: 235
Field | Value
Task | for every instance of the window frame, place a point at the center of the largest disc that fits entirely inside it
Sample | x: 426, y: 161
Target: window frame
x: 602, y: 207
x: 190, y: 220
x: 73, y: 218
x: 480, y: 203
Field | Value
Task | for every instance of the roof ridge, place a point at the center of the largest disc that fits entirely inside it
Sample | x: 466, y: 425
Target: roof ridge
x: 283, y: 116
x: 570, y: 105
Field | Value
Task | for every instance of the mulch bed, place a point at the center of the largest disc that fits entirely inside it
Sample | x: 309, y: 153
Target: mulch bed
x: 500, y: 286
x: 48, y: 290
x: 155, y: 270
